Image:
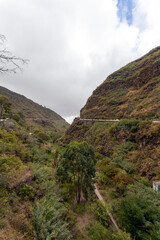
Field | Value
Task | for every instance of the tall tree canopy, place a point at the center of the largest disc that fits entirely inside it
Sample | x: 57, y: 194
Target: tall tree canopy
x: 78, y: 167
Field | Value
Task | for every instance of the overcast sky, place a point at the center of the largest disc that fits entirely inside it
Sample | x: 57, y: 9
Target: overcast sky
x: 73, y: 45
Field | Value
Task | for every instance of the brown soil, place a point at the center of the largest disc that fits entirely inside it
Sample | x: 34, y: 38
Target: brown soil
x: 82, y: 222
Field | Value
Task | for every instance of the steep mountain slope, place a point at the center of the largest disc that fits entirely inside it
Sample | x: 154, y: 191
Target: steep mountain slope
x: 34, y: 112
x: 131, y: 92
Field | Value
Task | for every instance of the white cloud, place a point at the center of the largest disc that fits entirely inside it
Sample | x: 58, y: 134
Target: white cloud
x: 146, y: 17
x: 73, y: 46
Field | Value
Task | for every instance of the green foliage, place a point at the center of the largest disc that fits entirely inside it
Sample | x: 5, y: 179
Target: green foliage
x: 78, y: 167
x: 79, y: 209
x: 39, y: 155
x: 3, y: 180
x: 8, y: 163
x: 106, y: 171
x: 16, y: 117
x: 145, y: 182
x: 121, y: 236
x: 131, y: 125
x: 42, y: 174
x: 44, y: 179
x: 139, y: 212
x: 67, y: 191
x: 24, y: 177
x: 121, y: 180
x: 50, y: 221
x: 24, y: 107
x: 109, y: 175
x: 5, y: 105
x: 96, y: 231
x: 25, y: 192
x: 119, y: 156
x: 98, y: 209
x: 42, y: 136
x: 55, y: 136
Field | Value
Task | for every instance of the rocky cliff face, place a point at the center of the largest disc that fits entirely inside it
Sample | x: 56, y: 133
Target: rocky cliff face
x: 131, y: 92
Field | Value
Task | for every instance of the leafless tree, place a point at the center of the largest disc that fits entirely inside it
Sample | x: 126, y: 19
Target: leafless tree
x: 8, y: 62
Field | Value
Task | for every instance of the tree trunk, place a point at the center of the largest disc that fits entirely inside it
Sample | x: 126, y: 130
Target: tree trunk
x: 78, y: 196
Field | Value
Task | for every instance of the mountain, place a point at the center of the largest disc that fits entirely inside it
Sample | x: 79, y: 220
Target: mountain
x: 35, y: 113
x: 131, y: 92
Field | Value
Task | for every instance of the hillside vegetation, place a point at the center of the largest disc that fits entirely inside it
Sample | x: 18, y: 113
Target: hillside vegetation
x: 34, y: 113
x: 134, y: 93
x: 128, y: 150
x: 47, y: 181
x: 37, y: 198
x: 131, y: 92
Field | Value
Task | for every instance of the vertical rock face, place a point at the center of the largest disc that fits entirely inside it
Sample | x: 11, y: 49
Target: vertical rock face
x: 131, y: 92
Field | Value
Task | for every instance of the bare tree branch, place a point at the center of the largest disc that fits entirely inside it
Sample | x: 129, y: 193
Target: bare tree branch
x: 8, y: 62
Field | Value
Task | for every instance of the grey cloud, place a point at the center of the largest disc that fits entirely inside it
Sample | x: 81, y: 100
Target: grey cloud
x: 72, y: 47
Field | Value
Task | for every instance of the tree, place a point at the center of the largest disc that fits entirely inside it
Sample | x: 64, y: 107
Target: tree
x: 5, y: 105
x: 8, y: 62
x: 78, y: 168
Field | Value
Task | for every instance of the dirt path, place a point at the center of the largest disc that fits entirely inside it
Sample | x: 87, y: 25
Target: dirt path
x: 99, y: 196
x: 82, y: 222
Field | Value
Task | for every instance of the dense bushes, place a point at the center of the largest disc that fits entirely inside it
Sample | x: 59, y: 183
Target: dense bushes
x: 139, y: 212
x: 50, y: 221
x: 26, y: 192
x: 131, y: 125
x: 120, y: 156
x: 9, y: 163
x: 110, y: 175
x: 42, y: 136
x: 96, y: 231
x: 98, y: 209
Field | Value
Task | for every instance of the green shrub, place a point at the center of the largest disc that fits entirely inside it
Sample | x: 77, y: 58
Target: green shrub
x: 16, y: 117
x: 119, y: 156
x: 67, y: 191
x: 42, y: 174
x: 39, y: 156
x: 139, y: 212
x: 26, y: 192
x: 121, y: 236
x: 3, y: 180
x: 98, y: 209
x: 8, y: 163
x: 42, y: 136
x: 79, y: 209
x: 55, y: 136
x: 130, y: 125
x: 121, y: 181
x: 50, y: 220
x: 145, y: 182
x: 96, y: 231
